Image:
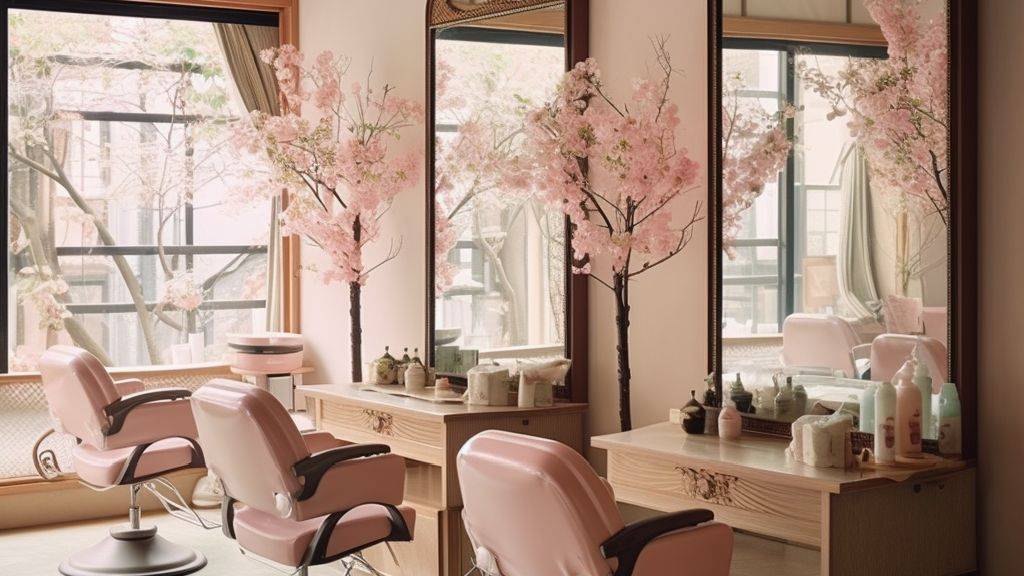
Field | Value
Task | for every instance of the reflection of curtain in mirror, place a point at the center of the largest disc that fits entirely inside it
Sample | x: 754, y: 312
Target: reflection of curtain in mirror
x: 256, y: 88
x: 856, y: 271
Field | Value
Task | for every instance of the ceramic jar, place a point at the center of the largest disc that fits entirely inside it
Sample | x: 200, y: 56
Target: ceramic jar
x: 415, y: 377
x: 694, y: 415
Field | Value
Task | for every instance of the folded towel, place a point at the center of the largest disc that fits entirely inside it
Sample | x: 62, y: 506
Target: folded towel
x: 796, y: 446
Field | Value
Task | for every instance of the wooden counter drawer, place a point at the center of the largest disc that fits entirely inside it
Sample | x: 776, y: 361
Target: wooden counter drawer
x: 416, y: 438
x: 780, y: 511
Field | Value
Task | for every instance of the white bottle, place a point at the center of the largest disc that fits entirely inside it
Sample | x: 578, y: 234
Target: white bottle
x: 730, y: 424
x: 949, y: 420
x: 923, y: 381
x: 885, y: 423
x: 867, y: 408
x: 908, y: 412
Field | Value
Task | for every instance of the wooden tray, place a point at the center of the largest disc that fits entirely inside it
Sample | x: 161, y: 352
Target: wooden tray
x: 427, y: 394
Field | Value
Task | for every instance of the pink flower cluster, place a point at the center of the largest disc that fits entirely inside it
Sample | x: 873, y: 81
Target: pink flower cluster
x: 183, y: 292
x: 899, y: 106
x: 339, y: 171
x: 621, y: 205
x: 754, y: 149
x: 43, y: 294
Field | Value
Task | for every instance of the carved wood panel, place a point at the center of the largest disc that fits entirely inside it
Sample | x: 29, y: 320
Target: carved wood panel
x: 446, y: 12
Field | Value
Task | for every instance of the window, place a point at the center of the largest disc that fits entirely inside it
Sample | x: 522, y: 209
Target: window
x: 124, y: 236
x: 786, y: 251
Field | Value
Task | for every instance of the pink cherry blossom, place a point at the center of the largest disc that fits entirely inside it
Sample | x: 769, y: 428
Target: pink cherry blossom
x: 184, y: 292
x: 340, y: 172
x: 898, y: 106
x: 622, y: 205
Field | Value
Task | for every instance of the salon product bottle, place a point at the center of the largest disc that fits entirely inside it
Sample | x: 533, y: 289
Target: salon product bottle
x: 908, y: 412
x: 740, y: 396
x: 885, y: 423
x: 949, y: 420
x: 799, y: 400
x: 923, y: 381
x: 730, y: 423
x: 784, y: 401
x: 867, y: 408
x: 416, y: 356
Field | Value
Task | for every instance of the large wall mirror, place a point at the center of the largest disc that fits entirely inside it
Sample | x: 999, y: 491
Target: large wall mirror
x: 499, y: 287
x: 842, y: 212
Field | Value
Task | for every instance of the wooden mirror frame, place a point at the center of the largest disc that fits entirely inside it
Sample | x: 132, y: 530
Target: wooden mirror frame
x: 441, y: 14
x: 962, y: 236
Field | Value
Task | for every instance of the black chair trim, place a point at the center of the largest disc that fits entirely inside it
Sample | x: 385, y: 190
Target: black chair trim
x: 313, y: 467
x: 628, y: 543
x: 227, y: 516
x: 119, y: 409
x: 317, y: 552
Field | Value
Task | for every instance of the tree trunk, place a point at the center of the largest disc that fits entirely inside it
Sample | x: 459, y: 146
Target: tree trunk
x: 621, y: 289
x: 355, y: 290
x: 355, y: 312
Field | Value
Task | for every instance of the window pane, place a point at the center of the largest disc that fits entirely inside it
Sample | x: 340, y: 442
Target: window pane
x: 119, y: 173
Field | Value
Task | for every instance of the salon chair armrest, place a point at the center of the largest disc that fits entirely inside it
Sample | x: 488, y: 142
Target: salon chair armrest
x: 314, y: 467
x: 342, y: 478
x: 861, y: 351
x: 119, y: 409
x: 628, y: 543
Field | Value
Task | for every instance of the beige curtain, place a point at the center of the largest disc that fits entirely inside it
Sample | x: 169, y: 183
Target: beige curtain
x: 256, y: 89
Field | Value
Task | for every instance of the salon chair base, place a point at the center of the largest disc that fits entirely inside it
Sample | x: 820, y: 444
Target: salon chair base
x: 133, y: 552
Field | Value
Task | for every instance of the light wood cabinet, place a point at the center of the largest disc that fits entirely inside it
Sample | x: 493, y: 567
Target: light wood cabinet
x: 863, y: 521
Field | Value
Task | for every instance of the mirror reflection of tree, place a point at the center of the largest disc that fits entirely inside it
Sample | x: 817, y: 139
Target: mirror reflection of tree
x: 484, y: 183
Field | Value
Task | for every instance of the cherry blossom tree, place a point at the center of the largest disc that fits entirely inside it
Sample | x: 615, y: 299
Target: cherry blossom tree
x: 616, y: 171
x: 898, y: 107
x: 339, y: 169
x: 754, y: 149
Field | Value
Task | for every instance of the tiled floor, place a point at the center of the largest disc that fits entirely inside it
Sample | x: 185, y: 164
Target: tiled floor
x: 38, y: 551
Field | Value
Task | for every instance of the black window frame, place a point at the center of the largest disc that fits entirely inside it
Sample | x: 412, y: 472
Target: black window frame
x: 789, y: 200
x: 189, y: 250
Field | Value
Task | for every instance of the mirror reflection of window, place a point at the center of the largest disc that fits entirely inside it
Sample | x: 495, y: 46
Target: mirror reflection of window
x: 500, y: 257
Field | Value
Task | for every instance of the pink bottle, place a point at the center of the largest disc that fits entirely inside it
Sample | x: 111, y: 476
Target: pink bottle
x: 908, y: 412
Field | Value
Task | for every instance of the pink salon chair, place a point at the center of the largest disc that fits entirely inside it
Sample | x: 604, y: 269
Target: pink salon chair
x: 301, y: 500
x: 890, y: 351
x: 821, y: 341
x: 122, y: 440
x: 534, y: 507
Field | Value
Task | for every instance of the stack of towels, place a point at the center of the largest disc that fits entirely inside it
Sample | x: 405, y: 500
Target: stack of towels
x: 823, y: 441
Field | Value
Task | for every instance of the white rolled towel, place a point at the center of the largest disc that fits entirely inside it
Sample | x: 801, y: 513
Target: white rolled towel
x: 553, y: 371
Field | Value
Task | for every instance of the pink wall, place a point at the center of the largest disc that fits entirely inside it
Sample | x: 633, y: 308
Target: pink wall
x: 1001, y: 198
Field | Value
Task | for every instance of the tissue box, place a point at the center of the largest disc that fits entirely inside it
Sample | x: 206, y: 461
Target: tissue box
x: 488, y: 386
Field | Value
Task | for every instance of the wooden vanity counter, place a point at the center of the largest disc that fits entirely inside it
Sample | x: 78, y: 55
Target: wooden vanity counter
x: 863, y: 521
